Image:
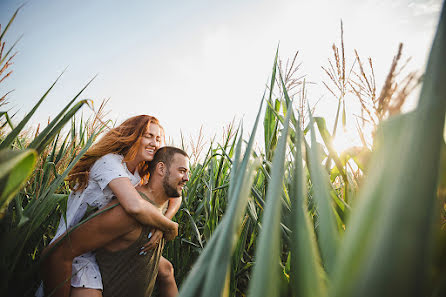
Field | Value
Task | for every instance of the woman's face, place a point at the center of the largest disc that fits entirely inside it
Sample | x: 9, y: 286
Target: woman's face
x: 150, y: 143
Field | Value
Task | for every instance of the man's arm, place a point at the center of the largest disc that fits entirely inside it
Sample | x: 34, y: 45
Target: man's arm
x: 143, y: 211
x: 93, y: 234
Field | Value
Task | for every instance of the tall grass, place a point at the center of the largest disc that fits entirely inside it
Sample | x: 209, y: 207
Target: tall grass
x: 32, y: 187
x: 307, y: 238
x: 295, y: 218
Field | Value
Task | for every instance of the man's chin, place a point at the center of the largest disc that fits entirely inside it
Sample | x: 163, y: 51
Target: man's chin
x: 176, y: 195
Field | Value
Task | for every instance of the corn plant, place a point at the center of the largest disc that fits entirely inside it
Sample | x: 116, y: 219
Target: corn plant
x: 32, y: 187
x: 309, y: 238
x: 290, y: 219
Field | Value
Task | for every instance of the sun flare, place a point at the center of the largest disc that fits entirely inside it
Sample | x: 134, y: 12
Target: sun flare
x: 345, y: 139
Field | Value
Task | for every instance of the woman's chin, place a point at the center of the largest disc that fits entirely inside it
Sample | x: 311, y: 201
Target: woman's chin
x: 148, y: 158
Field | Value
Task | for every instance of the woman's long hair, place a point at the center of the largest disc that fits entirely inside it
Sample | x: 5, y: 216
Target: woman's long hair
x: 123, y: 140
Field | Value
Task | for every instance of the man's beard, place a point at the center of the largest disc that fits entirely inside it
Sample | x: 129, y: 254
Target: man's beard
x: 170, y: 191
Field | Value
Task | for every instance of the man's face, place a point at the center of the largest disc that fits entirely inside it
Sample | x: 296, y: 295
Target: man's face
x: 176, y: 176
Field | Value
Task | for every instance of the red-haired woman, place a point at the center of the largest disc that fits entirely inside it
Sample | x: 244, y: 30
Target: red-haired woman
x: 113, y: 167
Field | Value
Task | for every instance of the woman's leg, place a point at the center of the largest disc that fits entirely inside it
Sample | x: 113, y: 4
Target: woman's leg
x: 85, y: 292
x: 167, y: 287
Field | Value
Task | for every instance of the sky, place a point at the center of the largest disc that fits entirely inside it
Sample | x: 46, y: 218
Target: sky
x: 198, y: 64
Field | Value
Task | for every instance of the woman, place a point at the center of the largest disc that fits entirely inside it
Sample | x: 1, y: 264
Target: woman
x: 113, y: 167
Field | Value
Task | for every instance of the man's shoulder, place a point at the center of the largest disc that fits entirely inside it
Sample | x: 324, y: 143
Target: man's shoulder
x: 143, y: 192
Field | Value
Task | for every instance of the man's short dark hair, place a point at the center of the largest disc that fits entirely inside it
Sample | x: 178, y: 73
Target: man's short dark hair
x: 165, y: 155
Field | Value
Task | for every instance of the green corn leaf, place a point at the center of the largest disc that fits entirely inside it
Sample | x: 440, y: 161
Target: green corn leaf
x: 335, y: 126
x: 238, y: 253
x: 15, y: 168
x: 194, y: 227
x: 62, y: 150
x: 33, y: 210
x: 5, y: 30
x: 405, y: 235
x: 221, y: 163
x: 48, y: 133
x: 217, y: 271
x: 236, y: 161
x: 269, y: 121
x: 41, y: 145
x: 327, y: 231
x: 10, y: 49
x: 218, y: 268
x: 210, y: 273
x: 357, y: 244
x: 273, y: 76
x: 265, y: 278
x: 37, y: 211
x: 194, y: 282
x: 399, y: 202
x: 15, y: 132
x: 306, y: 277
x: 10, y: 22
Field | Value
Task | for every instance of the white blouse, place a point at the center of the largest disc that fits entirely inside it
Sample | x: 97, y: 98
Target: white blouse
x: 97, y: 193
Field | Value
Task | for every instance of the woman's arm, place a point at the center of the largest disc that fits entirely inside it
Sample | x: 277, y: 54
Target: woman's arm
x: 156, y: 235
x: 143, y: 211
x: 173, y: 207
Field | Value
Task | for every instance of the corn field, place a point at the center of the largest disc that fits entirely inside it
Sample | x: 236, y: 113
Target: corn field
x: 291, y: 218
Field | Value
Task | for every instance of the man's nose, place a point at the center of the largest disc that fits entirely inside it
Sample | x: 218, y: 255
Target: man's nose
x: 186, y: 177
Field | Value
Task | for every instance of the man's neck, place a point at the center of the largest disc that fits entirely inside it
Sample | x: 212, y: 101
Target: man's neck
x: 155, y: 192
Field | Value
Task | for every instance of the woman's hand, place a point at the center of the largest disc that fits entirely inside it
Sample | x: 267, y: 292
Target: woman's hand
x: 154, y: 238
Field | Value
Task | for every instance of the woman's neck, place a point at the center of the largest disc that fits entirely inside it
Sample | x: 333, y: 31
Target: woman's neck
x: 131, y: 165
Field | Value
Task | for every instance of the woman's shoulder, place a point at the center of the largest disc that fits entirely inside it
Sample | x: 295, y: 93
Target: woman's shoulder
x: 108, y: 160
x: 111, y: 157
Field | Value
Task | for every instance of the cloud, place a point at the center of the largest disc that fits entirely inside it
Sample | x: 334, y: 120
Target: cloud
x: 425, y: 8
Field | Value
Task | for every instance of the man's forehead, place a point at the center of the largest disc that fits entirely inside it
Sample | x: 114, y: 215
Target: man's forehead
x: 179, y: 160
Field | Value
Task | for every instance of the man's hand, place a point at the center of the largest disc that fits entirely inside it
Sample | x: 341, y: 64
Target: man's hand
x: 171, y: 233
x: 154, y: 237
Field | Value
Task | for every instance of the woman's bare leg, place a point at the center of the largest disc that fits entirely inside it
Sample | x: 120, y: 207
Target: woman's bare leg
x: 85, y: 292
x: 167, y: 287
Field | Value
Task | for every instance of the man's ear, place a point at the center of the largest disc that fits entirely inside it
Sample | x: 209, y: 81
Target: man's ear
x: 161, y: 168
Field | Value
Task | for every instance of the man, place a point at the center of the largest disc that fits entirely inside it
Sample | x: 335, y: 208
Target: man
x: 118, y: 237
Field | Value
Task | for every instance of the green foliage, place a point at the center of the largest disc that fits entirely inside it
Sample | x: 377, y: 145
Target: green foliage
x: 15, y: 168
x: 32, y: 216
x: 317, y: 238
x: 32, y: 188
x: 277, y: 222
x: 266, y: 279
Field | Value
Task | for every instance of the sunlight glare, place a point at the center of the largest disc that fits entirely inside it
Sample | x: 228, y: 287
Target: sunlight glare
x: 345, y: 139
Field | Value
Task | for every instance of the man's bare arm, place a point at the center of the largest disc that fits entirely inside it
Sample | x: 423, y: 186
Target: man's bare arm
x: 93, y: 234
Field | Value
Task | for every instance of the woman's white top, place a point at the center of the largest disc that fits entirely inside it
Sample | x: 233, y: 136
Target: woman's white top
x: 96, y: 194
